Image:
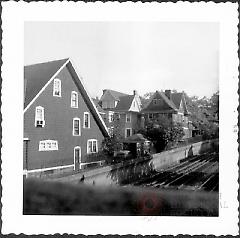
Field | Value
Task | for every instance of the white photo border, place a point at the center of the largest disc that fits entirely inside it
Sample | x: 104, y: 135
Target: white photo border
x: 14, y: 14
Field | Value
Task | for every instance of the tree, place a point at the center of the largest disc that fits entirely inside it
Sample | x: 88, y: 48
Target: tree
x: 114, y: 142
x: 204, y: 114
x: 162, y: 132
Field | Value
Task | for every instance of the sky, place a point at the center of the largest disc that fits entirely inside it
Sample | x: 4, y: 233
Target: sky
x: 127, y: 56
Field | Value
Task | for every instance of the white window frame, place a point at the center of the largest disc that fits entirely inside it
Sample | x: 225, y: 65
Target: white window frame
x: 37, y: 116
x: 73, y: 130
x: 48, y: 145
x: 130, y: 117
x: 92, y: 152
x: 84, y: 117
x: 126, y: 132
x: 56, y: 80
x: 72, y: 102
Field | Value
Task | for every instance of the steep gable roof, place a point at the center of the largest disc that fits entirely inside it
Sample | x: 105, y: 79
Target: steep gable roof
x: 167, y: 104
x: 116, y: 95
x: 49, y: 67
x: 37, y: 75
x: 125, y: 103
x: 99, y: 108
x: 177, y: 98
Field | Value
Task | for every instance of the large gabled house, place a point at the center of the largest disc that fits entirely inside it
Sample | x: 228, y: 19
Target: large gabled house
x: 62, y: 126
x: 122, y: 111
x: 172, y: 105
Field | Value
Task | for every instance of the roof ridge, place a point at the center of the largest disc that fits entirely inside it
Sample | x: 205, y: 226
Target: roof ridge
x: 45, y: 62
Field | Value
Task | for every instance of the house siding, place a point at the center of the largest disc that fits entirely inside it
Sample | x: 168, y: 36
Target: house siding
x: 58, y: 116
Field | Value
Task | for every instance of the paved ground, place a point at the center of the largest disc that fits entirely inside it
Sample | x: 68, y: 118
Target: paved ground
x: 196, y: 173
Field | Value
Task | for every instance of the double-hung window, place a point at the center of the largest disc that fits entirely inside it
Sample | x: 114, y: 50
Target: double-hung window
x: 86, y: 120
x: 76, y: 127
x: 128, y: 132
x: 74, y: 99
x: 92, y: 146
x: 128, y: 117
x: 57, y: 88
x: 39, y: 117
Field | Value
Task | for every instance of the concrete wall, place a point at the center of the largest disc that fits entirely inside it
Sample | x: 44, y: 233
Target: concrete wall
x: 166, y: 158
x: 134, y: 170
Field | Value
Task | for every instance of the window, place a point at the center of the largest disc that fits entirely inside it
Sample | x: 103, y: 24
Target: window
x: 76, y: 127
x: 86, y: 120
x: 57, y: 88
x: 128, y: 117
x: 48, y: 145
x: 128, y: 132
x: 110, y: 117
x: 92, y: 146
x: 150, y: 116
x: 74, y: 99
x: 39, y: 117
x: 111, y: 131
x: 155, y: 101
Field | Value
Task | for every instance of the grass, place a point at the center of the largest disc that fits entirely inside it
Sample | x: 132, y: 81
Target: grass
x: 54, y: 198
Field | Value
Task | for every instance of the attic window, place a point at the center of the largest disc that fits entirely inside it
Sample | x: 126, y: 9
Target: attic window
x: 57, y: 88
x: 39, y: 117
x: 156, y: 101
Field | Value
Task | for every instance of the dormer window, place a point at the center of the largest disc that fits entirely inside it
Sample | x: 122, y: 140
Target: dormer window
x: 57, y: 88
x: 74, y: 99
x: 39, y: 117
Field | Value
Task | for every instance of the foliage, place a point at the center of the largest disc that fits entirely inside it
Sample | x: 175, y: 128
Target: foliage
x: 162, y: 132
x: 204, y: 114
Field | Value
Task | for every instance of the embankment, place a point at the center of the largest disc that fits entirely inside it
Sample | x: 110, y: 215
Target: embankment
x: 54, y: 198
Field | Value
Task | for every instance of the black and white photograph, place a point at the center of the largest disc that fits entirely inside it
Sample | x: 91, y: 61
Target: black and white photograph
x: 122, y: 119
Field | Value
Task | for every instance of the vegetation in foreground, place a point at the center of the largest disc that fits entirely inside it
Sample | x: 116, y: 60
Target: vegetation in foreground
x: 43, y: 197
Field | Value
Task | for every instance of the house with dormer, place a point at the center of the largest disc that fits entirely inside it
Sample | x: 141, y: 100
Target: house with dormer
x: 62, y: 126
x: 171, y: 105
x: 122, y: 110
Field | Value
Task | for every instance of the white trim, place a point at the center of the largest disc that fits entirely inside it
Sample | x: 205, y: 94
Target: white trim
x: 44, y: 87
x: 26, y: 139
x: 60, y: 87
x: 93, y: 104
x: 76, y: 118
x: 89, y: 125
x: 80, y: 161
x: 74, y: 92
x: 92, y: 140
x: 50, y: 168
x: 126, y: 132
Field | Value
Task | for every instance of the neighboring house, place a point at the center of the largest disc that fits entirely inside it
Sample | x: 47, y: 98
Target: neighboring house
x: 172, y: 105
x: 62, y: 126
x: 122, y: 111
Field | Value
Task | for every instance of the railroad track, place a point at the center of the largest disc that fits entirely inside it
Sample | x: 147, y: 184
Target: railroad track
x: 199, y: 172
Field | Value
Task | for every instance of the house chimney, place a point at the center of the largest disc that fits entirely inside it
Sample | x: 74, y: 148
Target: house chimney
x: 168, y: 94
x: 135, y: 92
x: 104, y: 90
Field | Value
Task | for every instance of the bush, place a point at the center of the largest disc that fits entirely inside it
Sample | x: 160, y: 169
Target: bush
x: 163, y: 133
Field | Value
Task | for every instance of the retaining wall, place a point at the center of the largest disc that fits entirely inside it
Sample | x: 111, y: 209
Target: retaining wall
x: 128, y: 171
x: 166, y: 158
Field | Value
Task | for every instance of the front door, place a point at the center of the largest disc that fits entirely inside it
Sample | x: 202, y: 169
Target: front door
x: 77, y: 158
